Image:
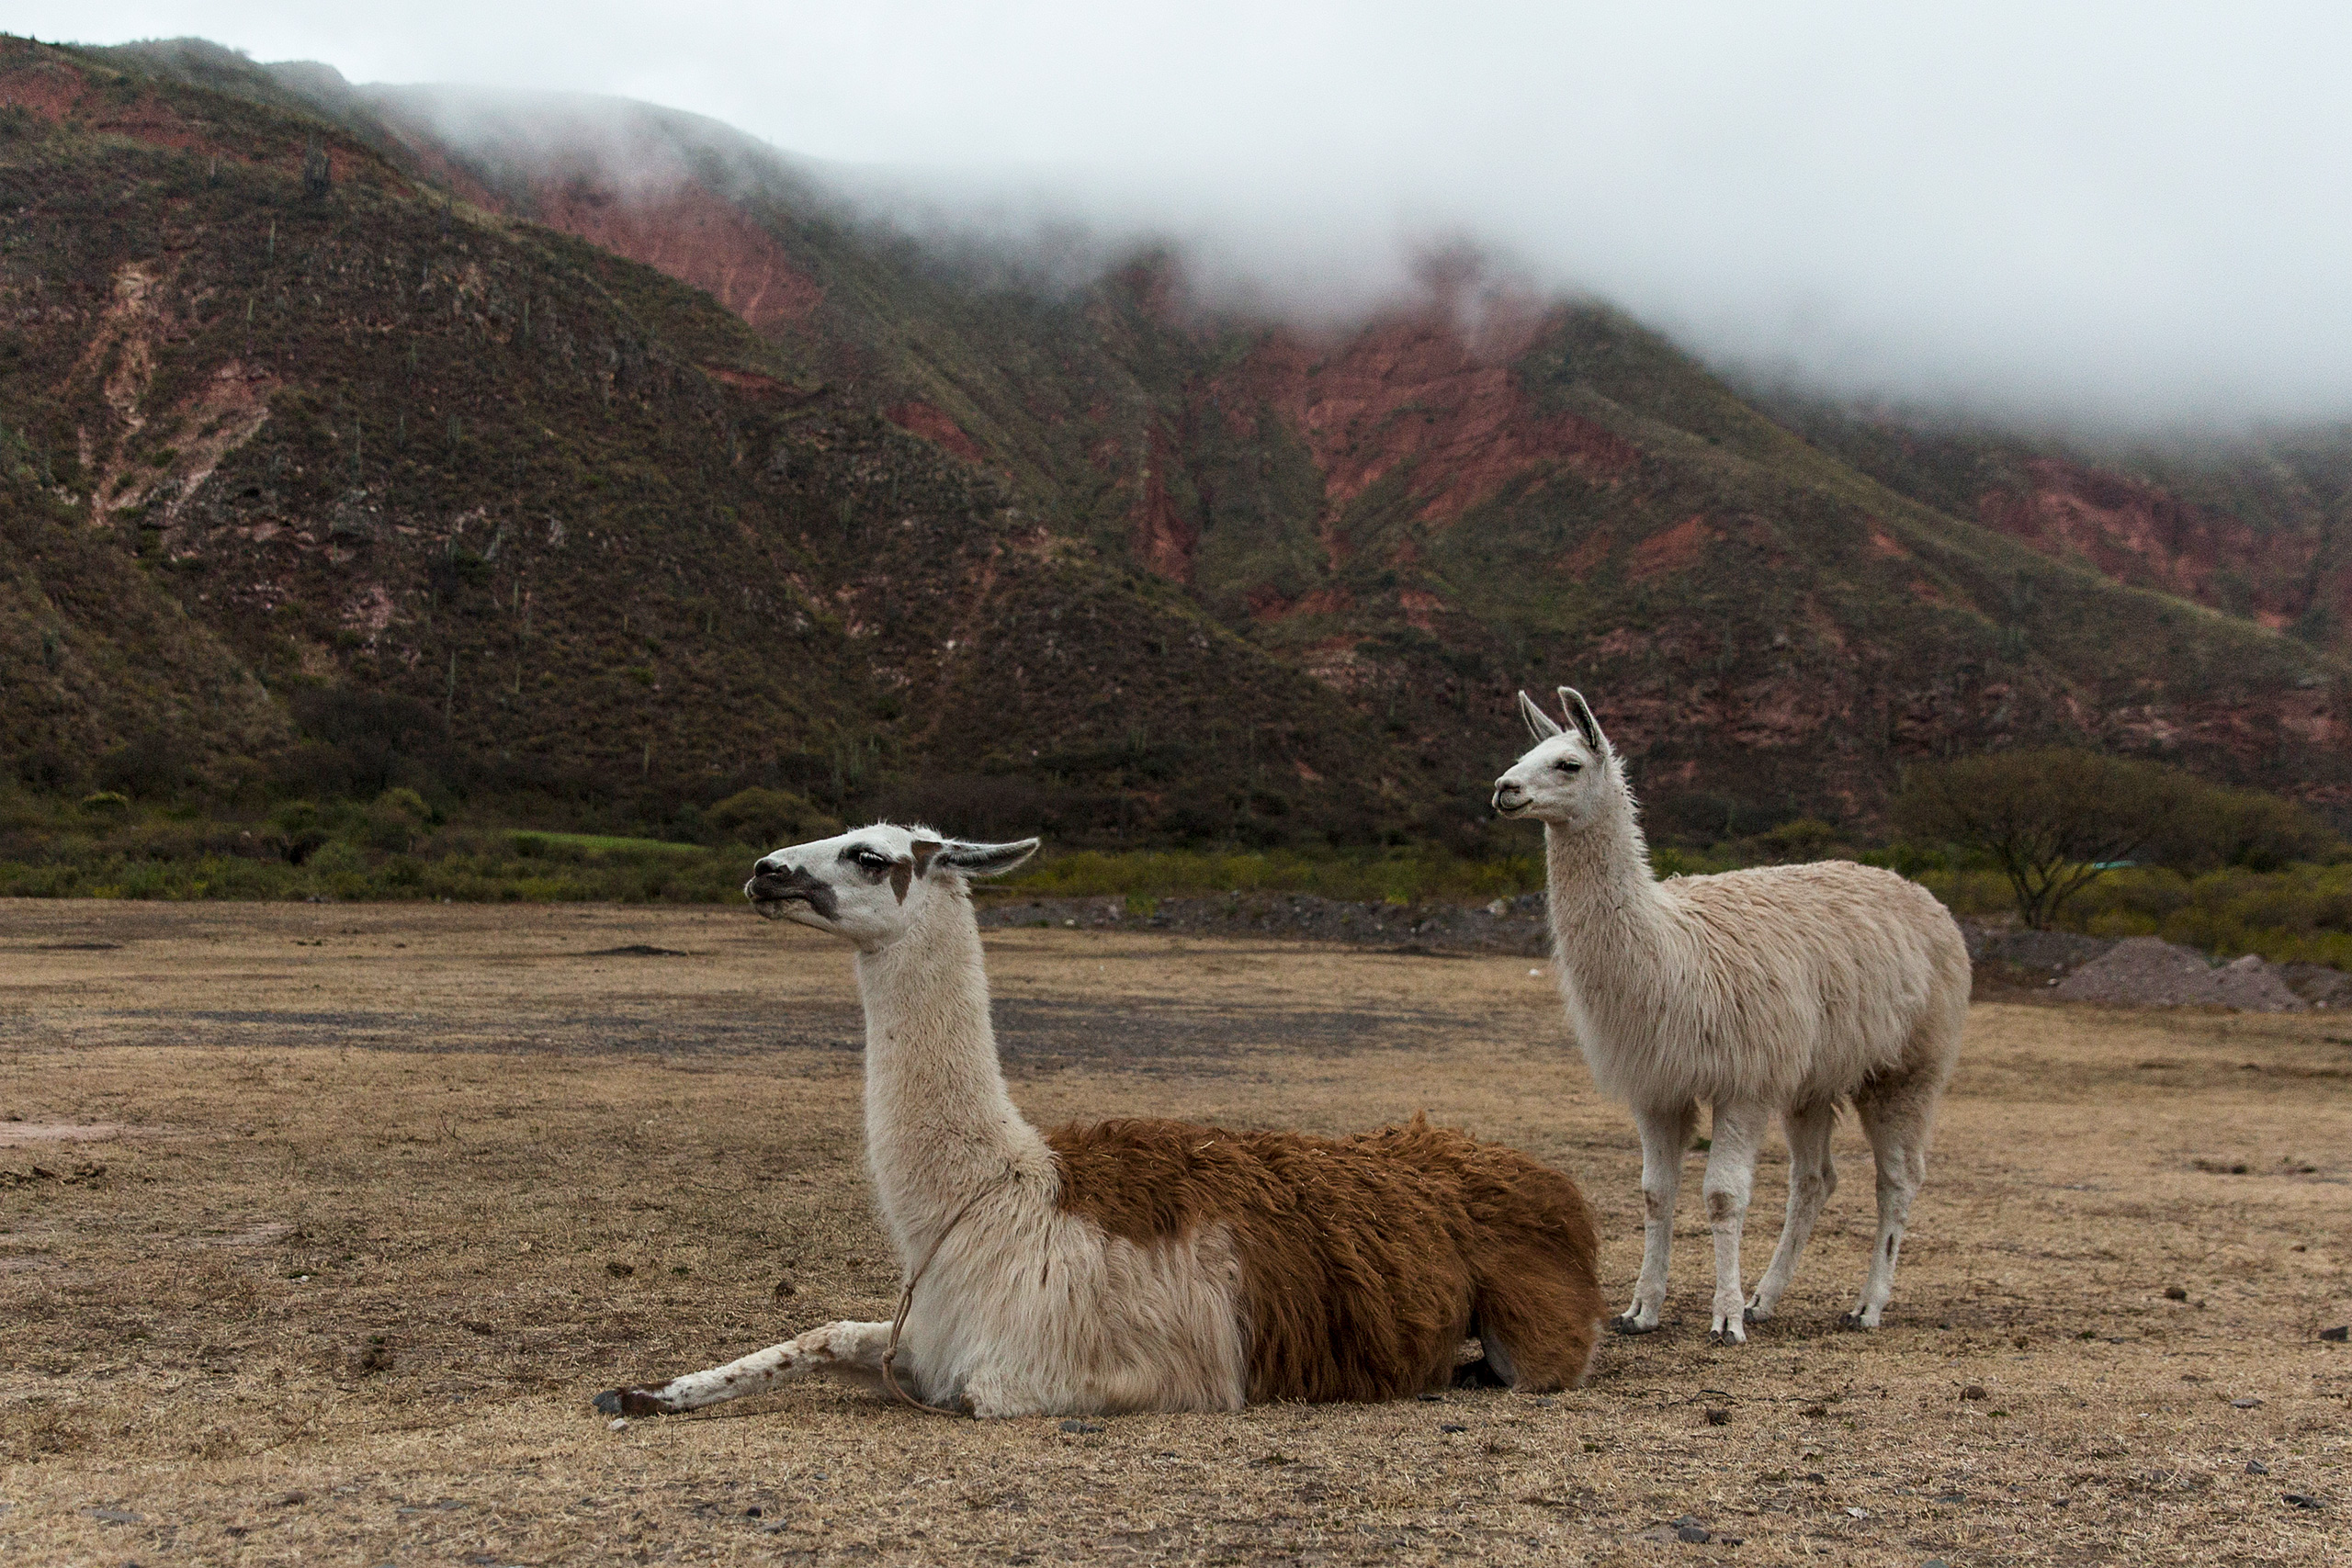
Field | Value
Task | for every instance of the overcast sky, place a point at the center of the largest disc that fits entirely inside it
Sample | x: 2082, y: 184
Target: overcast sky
x: 2133, y: 212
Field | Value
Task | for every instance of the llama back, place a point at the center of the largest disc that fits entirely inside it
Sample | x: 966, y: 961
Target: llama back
x: 1789, y: 980
x: 1360, y: 1258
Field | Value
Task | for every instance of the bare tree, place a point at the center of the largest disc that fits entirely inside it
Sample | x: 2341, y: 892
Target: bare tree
x: 2052, y: 820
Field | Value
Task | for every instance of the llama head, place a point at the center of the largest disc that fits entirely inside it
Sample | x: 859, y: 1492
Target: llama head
x: 873, y: 885
x: 1569, y: 776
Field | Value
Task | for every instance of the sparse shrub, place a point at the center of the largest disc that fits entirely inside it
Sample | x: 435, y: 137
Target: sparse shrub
x: 2245, y: 827
x: 152, y: 765
x: 395, y: 819
x: 298, y: 829
x: 1805, y: 839
x: 766, y: 818
x: 2052, y: 822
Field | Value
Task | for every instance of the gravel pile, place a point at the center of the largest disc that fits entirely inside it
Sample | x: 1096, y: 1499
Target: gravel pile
x: 2147, y: 971
x: 2318, y: 985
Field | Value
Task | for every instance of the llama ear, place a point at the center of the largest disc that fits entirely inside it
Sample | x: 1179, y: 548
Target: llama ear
x: 1580, y: 714
x: 987, y: 860
x: 1538, y: 721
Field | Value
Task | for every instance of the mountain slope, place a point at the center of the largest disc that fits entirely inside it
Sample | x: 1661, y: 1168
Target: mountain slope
x: 1309, y: 569
x: 485, y: 506
x: 2256, y: 526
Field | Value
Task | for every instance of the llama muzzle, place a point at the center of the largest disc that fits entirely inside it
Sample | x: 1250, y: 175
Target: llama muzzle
x: 769, y: 891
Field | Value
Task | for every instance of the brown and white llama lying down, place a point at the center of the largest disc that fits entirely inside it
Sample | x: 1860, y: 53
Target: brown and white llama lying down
x: 1141, y: 1264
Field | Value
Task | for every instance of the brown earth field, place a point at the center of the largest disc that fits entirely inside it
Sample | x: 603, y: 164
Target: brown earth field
x: 320, y: 1225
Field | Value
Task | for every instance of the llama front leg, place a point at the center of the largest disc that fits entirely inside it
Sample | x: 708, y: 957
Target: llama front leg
x: 1665, y: 1137
x: 1731, y: 1175
x: 852, y: 1347
x: 1813, y: 1177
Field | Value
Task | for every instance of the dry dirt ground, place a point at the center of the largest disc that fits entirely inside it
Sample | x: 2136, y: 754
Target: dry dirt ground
x: 321, y: 1224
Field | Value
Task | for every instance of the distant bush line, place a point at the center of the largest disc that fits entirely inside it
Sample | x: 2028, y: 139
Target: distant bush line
x: 2223, y: 887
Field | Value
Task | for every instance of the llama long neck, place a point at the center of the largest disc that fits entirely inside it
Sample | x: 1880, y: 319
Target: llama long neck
x: 1604, y: 902
x: 939, y: 1125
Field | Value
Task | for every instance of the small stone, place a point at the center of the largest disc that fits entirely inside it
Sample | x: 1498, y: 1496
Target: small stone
x: 1452, y: 1427
x: 1718, y: 1418
x: 2256, y: 1467
x: 1974, y: 1391
x: 2301, y: 1500
x: 1858, y: 1512
x: 2175, y: 1294
x: 2338, y: 1334
x: 1077, y: 1426
x: 753, y: 1512
x: 617, y: 1424
x: 2249, y: 1402
x: 1696, y: 1535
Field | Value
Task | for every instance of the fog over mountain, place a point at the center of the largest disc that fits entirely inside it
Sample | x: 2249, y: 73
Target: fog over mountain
x: 2104, y: 215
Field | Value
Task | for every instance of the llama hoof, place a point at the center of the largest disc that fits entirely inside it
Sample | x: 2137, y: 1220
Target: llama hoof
x: 1754, y: 1314
x: 1854, y: 1321
x: 1627, y: 1323
x: 1729, y: 1334
x: 628, y: 1402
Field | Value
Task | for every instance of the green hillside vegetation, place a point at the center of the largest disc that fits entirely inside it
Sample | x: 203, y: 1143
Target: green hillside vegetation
x: 110, y: 846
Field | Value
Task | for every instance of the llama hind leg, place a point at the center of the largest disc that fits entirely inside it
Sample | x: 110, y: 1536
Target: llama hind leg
x: 1898, y: 1123
x: 1731, y: 1176
x: 854, y: 1348
x: 1665, y: 1137
x: 1813, y: 1177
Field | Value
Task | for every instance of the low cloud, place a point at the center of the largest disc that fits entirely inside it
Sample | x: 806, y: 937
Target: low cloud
x: 2119, y: 215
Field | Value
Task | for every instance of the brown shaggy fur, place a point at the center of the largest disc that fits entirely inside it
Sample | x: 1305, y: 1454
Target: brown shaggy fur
x: 1365, y: 1260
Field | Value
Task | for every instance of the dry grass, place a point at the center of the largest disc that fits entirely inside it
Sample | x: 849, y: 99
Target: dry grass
x: 395, y: 1189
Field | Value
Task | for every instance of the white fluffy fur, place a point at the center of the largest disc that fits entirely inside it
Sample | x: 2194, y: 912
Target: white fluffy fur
x: 1780, y: 989
x: 1023, y: 1309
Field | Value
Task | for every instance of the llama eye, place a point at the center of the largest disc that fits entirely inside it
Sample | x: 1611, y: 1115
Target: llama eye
x: 1564, y: 765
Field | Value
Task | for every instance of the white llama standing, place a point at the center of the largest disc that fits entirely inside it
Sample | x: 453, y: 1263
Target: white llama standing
x: 1141, y: 1265
x: 1781, y: 988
